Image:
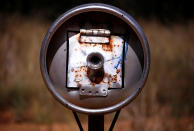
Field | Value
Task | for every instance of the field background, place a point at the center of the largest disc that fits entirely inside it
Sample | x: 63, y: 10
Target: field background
x: 165, y: 104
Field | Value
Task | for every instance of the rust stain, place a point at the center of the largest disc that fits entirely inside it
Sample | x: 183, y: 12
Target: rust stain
x: 111, y: 79
x: 118, y: 70
x: 108, y: 46
x: 85, y: 72
x: 78, y: 37
x: 93, y: 84
x: 78, y: 84
x: 114, y: 78
x: 94, y: 44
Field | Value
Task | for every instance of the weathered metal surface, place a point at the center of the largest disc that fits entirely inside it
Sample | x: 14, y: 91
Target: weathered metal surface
x: 94, y: 36
x: 94, y: 39
x: 77, y: 64
x: 54, y: 53
x: 98, y: 90
x: 57, y: 73
x: 95, y: 67
x: 95, y: 32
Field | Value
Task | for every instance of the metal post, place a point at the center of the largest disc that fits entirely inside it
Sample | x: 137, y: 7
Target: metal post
x: 78, y: 121
x: 114, y: 120
x: 96, y: 123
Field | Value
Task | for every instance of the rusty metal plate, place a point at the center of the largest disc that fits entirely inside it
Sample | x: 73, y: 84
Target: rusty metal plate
x: 112, y: 53
x: 53, y: 58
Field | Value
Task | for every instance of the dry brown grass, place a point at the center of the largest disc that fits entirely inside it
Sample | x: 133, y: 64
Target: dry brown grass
x: 166, y: 102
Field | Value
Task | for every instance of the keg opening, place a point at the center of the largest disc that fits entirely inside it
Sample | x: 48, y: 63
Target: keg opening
x: 95, y: 59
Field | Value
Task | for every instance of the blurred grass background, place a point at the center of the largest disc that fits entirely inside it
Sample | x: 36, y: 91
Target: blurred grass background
x: 166, y: 102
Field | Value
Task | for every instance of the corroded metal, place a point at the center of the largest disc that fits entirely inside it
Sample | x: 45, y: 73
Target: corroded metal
x: 95, y: 67
x: 100, y: 36
x: 82, y: 69
x: 54, y: 57
x: 95, y: 32
x: 94, y: 39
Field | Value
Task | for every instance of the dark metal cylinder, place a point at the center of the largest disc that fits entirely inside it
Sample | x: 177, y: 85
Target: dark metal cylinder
x: 95, y: 70
x: 96, y: 123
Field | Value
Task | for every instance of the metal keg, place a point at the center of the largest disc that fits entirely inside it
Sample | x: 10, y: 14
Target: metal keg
x: 95, y: 59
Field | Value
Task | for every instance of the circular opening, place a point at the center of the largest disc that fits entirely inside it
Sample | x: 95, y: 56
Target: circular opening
x: 95, y: 59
